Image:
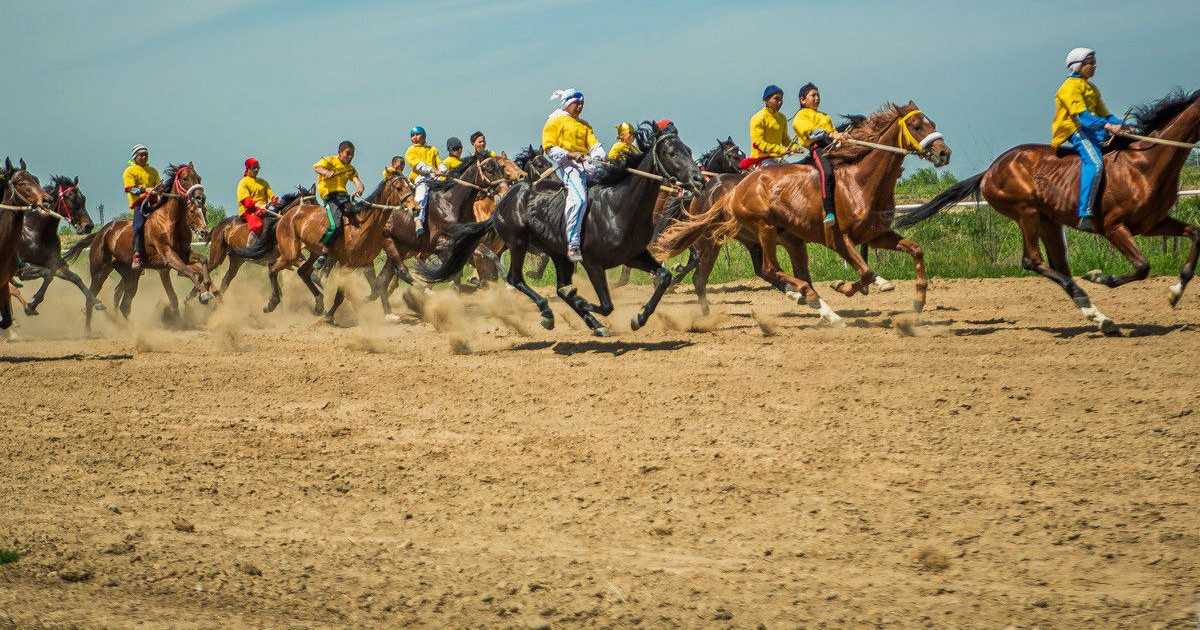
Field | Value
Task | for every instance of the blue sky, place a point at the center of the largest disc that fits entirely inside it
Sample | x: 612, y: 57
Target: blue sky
x: 216, y: 81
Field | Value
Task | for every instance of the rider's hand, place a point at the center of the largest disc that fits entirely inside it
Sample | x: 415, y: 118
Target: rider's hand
x: 1113, y: 128
x: 577, y: 156
x: 837, y: 135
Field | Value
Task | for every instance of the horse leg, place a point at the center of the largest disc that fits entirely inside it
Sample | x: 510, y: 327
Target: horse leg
x: 564, y: 269
x: 866, y: 277
x: 65, y: 273
x: 6, y: 318
x: 128, y: 289
x: 883, y: 284
x: 599, y: 277
x: 705, y: 259
x: 235, y: 263
x: 494, y: 266
x: 893, y: 241
x: 805, y: 292
x: 662, y: 280
x: 196, y: 272
x: 1175, y: 227
x: 539, y: 268
x: 516, y: 278
x: 681, y: 271
x: 99, y: 272
x: 337, y: 301
x: 172, y: 300
x: 623, y: 280
x: 1031, y: 223
x: 36, y: 271
x: 306, y: 274
x: 1122, y: 239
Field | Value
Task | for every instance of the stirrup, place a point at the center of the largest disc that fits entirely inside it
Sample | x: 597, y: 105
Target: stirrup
x: 574, y: 255
x: 1086, y: 224
x: 320, y: 261
x: 136, y: 263
x: 830, y: 220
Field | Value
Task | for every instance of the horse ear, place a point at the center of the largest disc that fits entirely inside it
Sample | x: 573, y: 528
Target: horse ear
x: 504, y: 154
x: 911, y: 103
x: 22, y: 160
x: 8, y: 163
x: 76, y: 180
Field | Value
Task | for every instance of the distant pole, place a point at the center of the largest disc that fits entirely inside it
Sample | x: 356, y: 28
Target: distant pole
x: 100, y: 209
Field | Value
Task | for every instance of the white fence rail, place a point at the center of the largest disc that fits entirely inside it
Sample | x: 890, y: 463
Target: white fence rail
x: 976, y: 204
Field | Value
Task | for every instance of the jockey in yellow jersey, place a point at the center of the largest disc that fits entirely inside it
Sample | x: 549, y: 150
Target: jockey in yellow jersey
x: 139, y: 179
x: 479, y: 143
x: 254, y: 196
x: 769, y: 140
x: 1082, y: 123
x: 333, y: 173
x: 454, y: 150
x: 815, y: 132
x: 396, y: 169
x: 426, y: 166
x: 626, y: 143
x: 571, y: 145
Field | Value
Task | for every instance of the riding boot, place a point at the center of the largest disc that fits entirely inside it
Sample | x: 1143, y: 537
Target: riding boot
x: 139, y: 236
x: 421, y: 219
x: 830, y: 216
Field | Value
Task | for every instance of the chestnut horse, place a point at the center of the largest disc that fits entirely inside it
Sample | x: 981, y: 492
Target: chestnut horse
x: 169, y: 228
x: 786, y: 199
x: 232, y: 234
x: 19, y: 190
x: 41, y: 246
x: 357, y: 244
x: 1038, y: 188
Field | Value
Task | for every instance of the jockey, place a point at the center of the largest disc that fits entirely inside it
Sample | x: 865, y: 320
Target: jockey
x: 396, y: 169
x: 454, y: 150
x: 254, y: 196
x: 479, y: 142
x: 815, y: 132
x: 571, y: 145
x: 769, y: 140
x: 425, y: 164
x: 333, y: 172
x: 1082, y: 124
x: 139, y: 179
x: 626, y: 143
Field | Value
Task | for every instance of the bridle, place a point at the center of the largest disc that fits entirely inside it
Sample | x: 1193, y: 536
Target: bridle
x: 61, y: 206
x: 921, y: 147
x: 667, y: 178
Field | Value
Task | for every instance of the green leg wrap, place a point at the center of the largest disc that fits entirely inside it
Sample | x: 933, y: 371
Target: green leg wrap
x: 328, y: 233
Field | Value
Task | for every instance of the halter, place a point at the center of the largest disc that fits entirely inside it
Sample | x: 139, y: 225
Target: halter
x: 178, y: 188
x: 658, y: 166
x: 61, y: 206
x: 921, y: 147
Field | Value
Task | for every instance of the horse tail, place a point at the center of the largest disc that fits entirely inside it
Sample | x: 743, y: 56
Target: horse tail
x: 675, y: 208
x: 264, y: 245
x: 73, y: 252
x: 462, y: 238
x: 947, y: 197
x: 718, y: 223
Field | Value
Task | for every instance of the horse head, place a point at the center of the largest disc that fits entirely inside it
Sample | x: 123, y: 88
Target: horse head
x: 919, y: 134
x: 398, y: 190
x: 512, y: 172
x: 187, y: 185
x: 670, y: 156
x: 21, y: 188
x: 70, y: 202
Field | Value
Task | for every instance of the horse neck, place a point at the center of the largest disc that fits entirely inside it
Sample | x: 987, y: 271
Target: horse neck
x: 460, y: 201
x: 173, y: 215
x: 37, y: 223
x: 878, y: 171
x: 719, y: 163
x: 1159, y: 162
x: 638, y: 195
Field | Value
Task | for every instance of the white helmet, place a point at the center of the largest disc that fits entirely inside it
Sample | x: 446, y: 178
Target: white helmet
x: 1076, y: 56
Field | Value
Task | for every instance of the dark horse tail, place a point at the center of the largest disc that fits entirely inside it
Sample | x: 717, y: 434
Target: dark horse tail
x: 73, y: 252
x: 953, y: 194
x: 462, y: 241
x: 264, y: 245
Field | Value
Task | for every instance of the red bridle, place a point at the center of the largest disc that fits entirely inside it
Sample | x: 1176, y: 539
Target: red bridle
x: 61, y: 206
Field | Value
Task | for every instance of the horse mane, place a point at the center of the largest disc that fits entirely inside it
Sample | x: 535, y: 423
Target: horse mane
x: 867, y: 128
x: 447, y: 184
x: 57, y: 181
x: 703, y: 159
x: 527, y: 154
x: 371, y: 197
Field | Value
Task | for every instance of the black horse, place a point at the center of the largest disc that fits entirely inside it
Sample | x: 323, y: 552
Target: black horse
x: 41, y: 246
x: 617, y: 226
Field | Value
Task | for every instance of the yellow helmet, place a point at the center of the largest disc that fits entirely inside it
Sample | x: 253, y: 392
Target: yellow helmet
x: 624, y: 128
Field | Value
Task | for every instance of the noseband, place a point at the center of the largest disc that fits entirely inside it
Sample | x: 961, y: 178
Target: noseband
x: 922, y: 147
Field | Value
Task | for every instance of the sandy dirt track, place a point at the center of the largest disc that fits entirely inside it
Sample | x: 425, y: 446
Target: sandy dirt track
x: 999, y: 465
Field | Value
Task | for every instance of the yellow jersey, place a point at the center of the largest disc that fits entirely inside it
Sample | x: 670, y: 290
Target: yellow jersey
x: 254, y: 188
x: 768, y: 134
x: 620, y: 150
x: 1075, y: 95
x: 389, y: 171
x: 568, y: 133
x: 342, y: 173
x: 452, y: 162
x: 807, y: 120
x: 417, y: 154
x: 141, y: 177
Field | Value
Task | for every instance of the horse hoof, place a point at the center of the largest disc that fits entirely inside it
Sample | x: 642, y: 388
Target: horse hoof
x: 885, y: 286
x: 1176, y: 292
x: 1093, y: 276
x: 270, y: 306
x: 1108, y: 327
x: 30, y: 310
x: 548, y: 323
x: 391, y: 318
x: 918, y: 305
x: 99, y: 306
x: 636, y: 323
x: 205, y: 297
x: 797, y: 296
x: 602, y: 331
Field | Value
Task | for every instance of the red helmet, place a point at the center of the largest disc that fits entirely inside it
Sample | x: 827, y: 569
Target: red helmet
x: 664, y: 125
x: 251, y: 163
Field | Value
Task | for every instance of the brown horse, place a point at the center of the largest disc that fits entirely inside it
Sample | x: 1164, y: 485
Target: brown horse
x: 450, y: 203
x: 169, y: 229
x: 1039, y: 189
x: 19, y: 189
x: 41, y: 246
x: 357, y: 244
x: 233, y: 234
x: 786, y: 199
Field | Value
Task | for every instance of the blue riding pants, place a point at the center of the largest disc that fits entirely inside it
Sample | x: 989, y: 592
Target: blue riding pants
x: 1090, y: 172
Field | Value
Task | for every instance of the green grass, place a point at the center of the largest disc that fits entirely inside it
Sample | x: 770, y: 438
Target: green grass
x: 8, y: 556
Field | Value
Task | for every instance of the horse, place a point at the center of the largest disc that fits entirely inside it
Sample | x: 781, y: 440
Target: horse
x: 20, y: 192
x: 357, y: 245
x: 179, y: 213
x: 785, y: 199
x: 41, y: 246
x: 618, y: 225
x: 1038, y: 187
x: 232, y: 232
x: 722, y: 159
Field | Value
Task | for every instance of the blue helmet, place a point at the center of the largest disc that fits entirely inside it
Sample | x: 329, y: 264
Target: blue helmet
x: 416, y: 130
